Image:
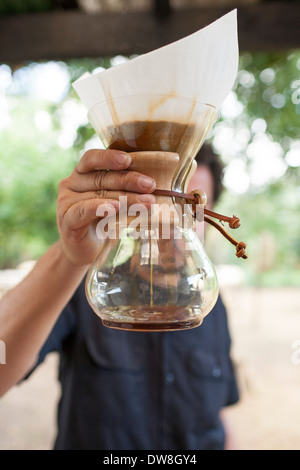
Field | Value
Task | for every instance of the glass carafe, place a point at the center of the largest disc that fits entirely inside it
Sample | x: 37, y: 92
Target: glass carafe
x: 152, y: 272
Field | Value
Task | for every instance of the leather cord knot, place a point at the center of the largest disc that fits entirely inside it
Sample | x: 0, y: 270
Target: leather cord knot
x: 198, y: 197
x: 241, y: 250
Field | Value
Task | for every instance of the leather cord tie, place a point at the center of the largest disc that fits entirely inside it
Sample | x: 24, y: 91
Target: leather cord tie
x: 233, y: 222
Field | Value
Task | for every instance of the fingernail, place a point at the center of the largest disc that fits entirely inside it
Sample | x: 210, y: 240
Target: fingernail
x: 122, y: 158
x: 115, y: 203
x: 146, y: 182
x: 145, y: 198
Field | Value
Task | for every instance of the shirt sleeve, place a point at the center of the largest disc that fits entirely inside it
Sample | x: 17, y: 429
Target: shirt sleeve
x: 233, y: 391
x: 62, y: 329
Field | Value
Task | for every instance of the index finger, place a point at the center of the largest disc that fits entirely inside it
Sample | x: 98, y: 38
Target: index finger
x: 98, y: 159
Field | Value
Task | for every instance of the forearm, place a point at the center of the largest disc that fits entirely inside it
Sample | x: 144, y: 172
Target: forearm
x: 29, y: 311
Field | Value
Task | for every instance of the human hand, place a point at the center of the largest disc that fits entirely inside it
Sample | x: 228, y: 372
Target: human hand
x: 89, y: 186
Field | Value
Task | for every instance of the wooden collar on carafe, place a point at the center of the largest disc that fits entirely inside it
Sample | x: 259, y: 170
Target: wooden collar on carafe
x: 195, y: 198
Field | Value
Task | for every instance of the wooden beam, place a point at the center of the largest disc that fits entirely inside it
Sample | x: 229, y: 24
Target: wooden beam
x: 270, y: 26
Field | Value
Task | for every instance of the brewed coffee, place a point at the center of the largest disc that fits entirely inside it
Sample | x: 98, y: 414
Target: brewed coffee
x: 151, y: 136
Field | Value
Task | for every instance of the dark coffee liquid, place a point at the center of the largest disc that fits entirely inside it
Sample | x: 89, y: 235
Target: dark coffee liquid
x: 156, y: 318
x: 173, y: 326
x: 137, y: 136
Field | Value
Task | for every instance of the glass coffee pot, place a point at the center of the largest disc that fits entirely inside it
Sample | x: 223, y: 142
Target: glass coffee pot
x: 152, y: 272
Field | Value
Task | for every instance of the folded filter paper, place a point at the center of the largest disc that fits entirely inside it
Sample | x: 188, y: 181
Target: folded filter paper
x: 202, y: 67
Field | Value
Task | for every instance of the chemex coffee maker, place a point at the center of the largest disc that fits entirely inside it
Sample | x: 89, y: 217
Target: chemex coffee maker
x: 152, y: 272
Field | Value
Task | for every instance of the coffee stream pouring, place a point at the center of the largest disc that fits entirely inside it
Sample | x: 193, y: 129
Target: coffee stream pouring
x: 152, y: 272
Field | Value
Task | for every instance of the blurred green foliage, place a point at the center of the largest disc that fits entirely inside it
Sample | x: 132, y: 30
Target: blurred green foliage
x: 31, y: 165
x: 24, y: 6
x: 268, y: 87
x: 41, y: 139
x: 9, y: 7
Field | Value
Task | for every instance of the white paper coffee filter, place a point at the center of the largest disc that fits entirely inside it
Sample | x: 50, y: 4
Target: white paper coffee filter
x: 202, y: 66
x: 89, y: 89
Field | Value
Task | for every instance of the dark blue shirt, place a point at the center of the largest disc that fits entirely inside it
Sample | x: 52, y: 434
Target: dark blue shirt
x: 134, y: 390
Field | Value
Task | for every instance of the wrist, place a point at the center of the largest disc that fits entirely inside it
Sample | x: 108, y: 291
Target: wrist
x: 66, y: 263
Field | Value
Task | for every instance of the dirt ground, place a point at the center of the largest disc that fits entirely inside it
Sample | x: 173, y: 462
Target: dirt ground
x: 265, y: 329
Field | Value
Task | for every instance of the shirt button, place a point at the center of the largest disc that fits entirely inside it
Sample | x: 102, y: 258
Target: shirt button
x: 216, y: 372
x: 170, y: 377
